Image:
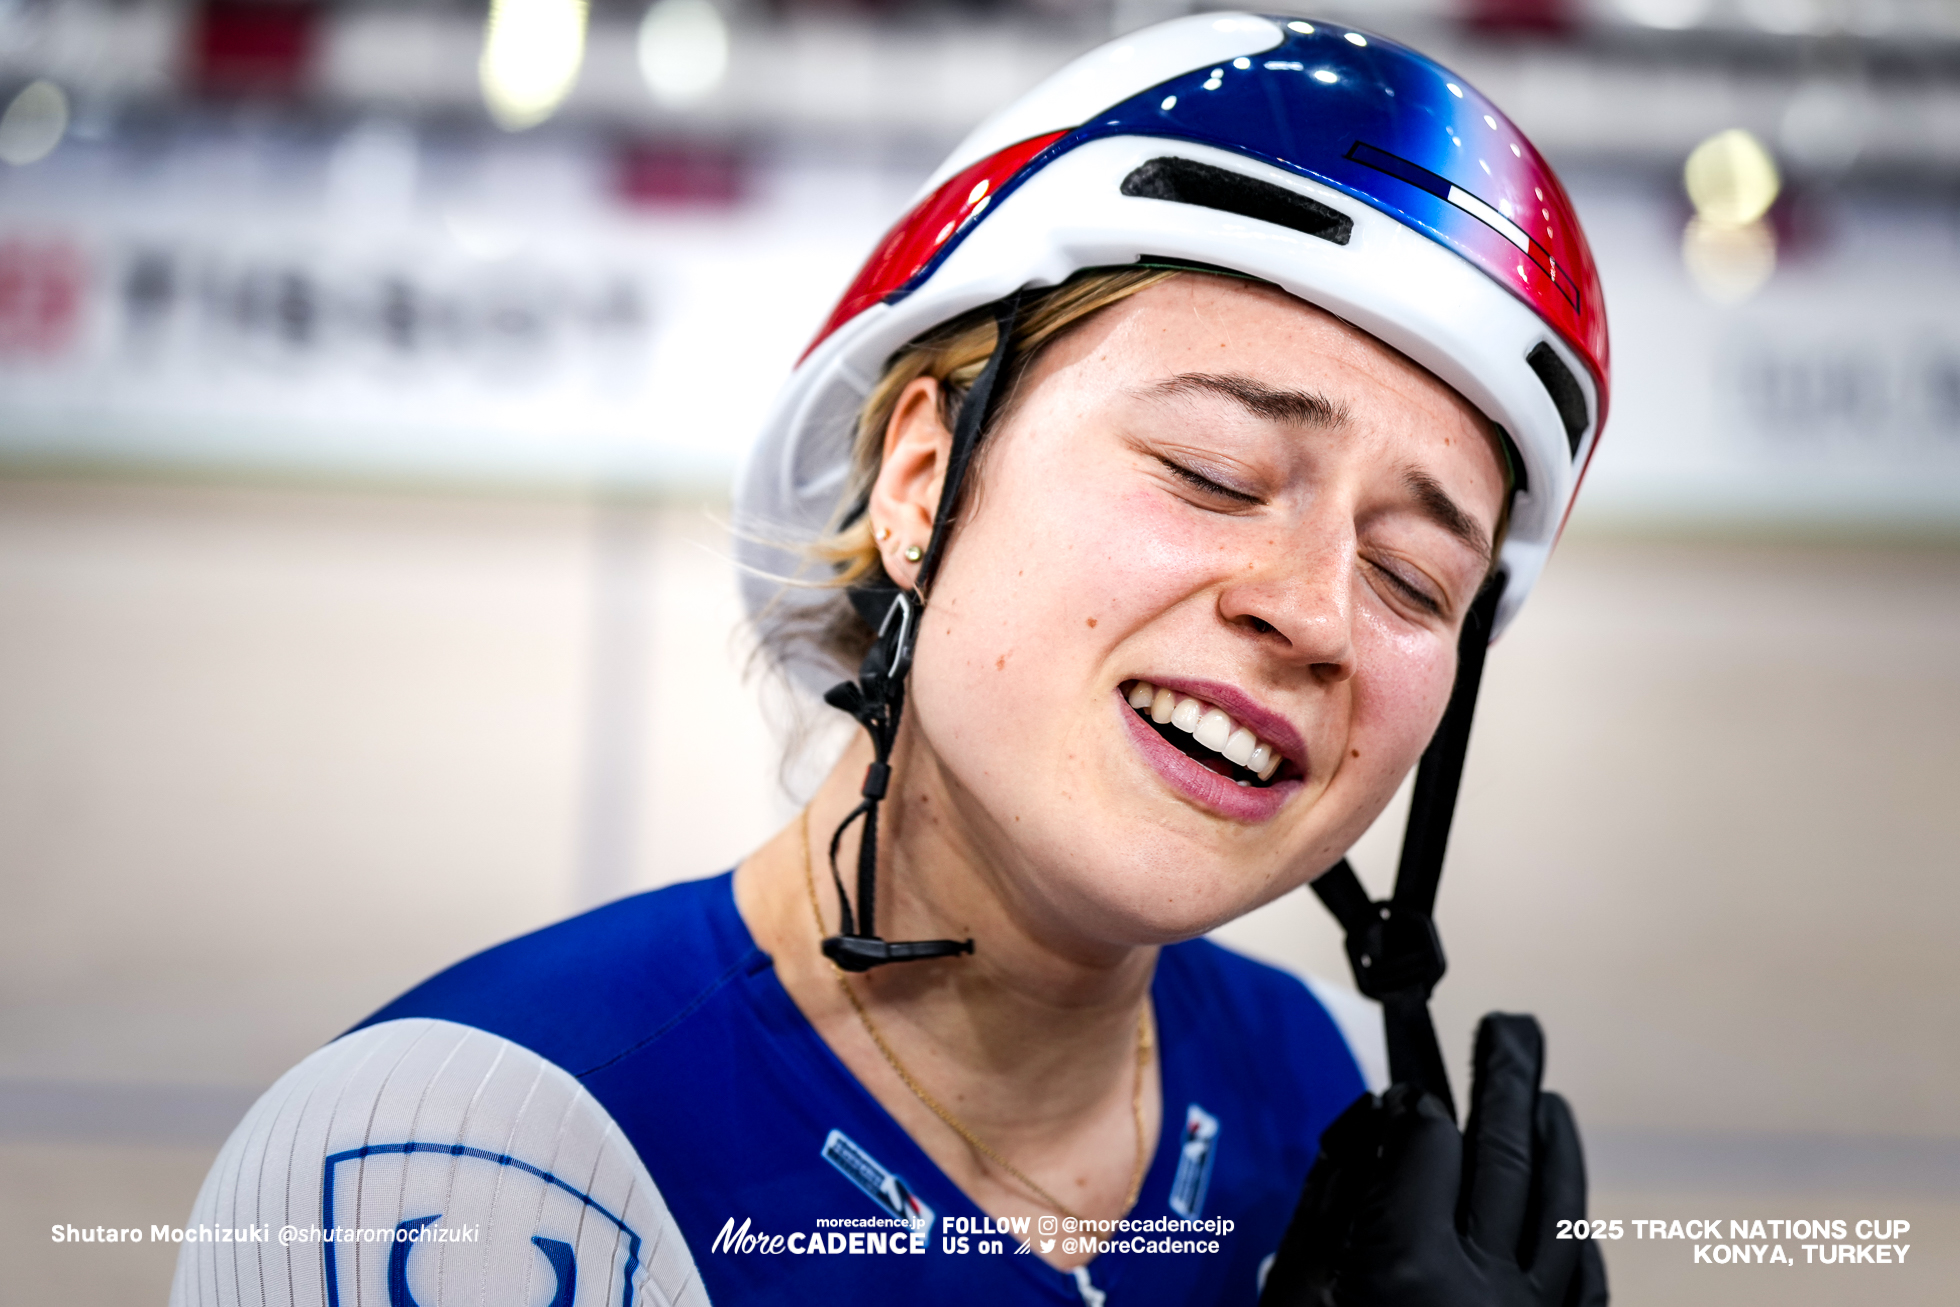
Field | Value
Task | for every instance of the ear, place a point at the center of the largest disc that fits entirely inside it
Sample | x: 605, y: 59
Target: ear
x: 905, y: 497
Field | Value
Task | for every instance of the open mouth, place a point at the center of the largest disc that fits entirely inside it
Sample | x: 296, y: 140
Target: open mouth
x: 1209, y: 737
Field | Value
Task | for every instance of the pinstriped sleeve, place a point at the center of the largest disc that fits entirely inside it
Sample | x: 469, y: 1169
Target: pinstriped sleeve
x: 421, y: 1163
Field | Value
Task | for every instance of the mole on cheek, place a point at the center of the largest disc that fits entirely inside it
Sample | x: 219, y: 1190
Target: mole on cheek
x: 1092, y: 623
x: 1354, y: 753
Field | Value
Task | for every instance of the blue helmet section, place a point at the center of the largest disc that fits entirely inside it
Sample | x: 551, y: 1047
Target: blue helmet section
x: 1394, y: 130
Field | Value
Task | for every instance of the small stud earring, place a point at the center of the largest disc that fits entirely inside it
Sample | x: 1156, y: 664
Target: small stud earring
x: 884, y: 534
x: 913, y: 553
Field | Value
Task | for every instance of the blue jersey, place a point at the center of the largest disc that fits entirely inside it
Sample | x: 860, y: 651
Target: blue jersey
x: 759, y: 1138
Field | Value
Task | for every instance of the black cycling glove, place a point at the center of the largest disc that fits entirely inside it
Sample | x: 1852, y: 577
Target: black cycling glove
x: 1402, y: 1211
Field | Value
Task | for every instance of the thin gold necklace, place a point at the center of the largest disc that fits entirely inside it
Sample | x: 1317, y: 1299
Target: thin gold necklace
x: 974, y: 1141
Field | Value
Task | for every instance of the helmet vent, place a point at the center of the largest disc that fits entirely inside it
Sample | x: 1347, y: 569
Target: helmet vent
x: 1563, y: 387
x: 1186, y: 181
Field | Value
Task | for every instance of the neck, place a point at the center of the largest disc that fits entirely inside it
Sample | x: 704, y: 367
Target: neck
x: 1031, y: 1040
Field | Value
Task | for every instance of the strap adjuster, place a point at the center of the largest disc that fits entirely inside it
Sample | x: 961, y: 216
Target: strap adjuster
x: 1396, y: 954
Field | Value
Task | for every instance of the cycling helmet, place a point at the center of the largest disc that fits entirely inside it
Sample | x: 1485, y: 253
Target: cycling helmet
x: 1348, y: 170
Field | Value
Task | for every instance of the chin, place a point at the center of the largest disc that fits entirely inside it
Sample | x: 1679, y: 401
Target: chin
x: 1122, y: 905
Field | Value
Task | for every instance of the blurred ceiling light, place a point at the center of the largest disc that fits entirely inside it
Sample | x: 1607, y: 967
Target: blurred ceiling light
x: 1728, y: 249
x: 683, y: 50
x: 1731, y: 179
x: 532, y: 50
x: 1824, y: 126
x: 34, y: 123
x: 1670, y: 15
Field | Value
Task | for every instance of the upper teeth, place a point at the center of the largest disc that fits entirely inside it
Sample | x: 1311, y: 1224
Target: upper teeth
x: 1208, y: 726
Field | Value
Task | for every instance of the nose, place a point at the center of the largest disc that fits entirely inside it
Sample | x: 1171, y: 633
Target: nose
x: 1299, y: 603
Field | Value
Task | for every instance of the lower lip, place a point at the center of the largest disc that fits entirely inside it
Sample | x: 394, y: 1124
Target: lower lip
x: 1198, y: 783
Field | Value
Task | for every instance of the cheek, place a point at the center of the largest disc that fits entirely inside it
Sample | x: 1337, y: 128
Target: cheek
x: 1055, y: 566
x: 1401, y: 688
x: 1053, y: 570
x: 1008, y: 639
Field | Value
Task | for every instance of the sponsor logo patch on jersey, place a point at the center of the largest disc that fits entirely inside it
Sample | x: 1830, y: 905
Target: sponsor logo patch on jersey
x: 1194, y: 1158
x: 884, y: 1188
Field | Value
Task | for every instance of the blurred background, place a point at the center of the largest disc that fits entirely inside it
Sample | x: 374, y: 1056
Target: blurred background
x: 371, y: 380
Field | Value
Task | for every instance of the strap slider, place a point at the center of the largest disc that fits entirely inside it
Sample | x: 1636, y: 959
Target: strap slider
x: 900, y: 645
x: 1392, y: 954
x: 877, y: 778
x: 863, y: 952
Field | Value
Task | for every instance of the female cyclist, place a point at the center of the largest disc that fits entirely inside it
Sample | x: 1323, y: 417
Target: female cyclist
x: 1149, y: 499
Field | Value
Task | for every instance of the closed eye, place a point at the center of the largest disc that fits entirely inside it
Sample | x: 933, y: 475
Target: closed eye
x: 1408, y: 589
x: 1200, y: 482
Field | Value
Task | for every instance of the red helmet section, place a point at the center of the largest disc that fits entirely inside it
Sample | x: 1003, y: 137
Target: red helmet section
x: 910, y: 244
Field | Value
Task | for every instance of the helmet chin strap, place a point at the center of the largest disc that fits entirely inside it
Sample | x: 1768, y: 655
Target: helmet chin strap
x: 877, y: 697
x: 1393, y: 946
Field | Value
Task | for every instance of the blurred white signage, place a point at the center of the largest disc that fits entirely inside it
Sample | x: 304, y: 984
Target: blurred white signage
x: 1832, y: 394
x: 274, y: 347
x: 548, y: 335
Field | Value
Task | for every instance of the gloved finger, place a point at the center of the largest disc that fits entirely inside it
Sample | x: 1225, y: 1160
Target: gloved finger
x: 1342, y: 1173
x: 1509, y: 1060
x: 1310, y: 1254
x: 1353, y: 1135
x: 1413, y: 1193
x: 1589, y: 1285
x: 1559, y: 1194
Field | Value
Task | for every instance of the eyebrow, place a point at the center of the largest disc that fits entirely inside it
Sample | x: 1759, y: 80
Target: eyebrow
x: 1437, y: 505
x: 1294, y: 407
x: 1307, y: 409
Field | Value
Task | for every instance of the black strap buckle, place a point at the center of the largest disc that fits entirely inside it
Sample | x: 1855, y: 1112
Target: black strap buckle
x: 1397, y: 953
x: 1391, y: 952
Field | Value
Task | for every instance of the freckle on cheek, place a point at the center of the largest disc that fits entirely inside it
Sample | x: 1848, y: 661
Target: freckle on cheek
x: 1000, y: 663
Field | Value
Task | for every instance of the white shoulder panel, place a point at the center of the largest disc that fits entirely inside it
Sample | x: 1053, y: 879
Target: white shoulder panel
x: 422, y: 1163
x: 1360, y: 1022
x: 1110, y: 74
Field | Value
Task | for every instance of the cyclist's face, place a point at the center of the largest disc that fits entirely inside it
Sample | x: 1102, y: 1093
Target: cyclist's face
x: 1231, y: 508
